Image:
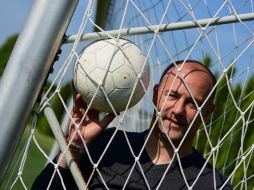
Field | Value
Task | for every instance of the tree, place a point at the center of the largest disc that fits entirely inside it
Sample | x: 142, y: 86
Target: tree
x: 224, y: 117
x: 5, y: 51
x: 57, y: 105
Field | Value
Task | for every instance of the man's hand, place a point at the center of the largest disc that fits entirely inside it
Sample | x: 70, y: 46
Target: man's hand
x: 90, y: 127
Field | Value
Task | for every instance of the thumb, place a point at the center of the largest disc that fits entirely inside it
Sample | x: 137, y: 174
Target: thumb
x: 78, y: 102
x: 107, y: 120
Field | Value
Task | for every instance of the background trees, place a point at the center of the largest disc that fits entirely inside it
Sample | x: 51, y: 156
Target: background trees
x: 227, y: 116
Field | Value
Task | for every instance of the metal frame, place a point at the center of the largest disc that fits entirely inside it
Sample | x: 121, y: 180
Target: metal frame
x: 60, y: 138
x: 28, y: 68
x: 163, y: 27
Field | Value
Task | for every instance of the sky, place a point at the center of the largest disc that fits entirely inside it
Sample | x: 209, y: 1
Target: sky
x: 12, y: 17
x: 14, y: 12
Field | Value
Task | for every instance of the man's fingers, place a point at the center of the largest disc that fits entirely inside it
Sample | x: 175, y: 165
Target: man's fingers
x: 73, y: 133
x: 78, y: 102
x: 107, y: 120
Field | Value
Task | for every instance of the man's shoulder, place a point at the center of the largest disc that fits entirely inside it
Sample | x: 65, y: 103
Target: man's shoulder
x: 197, y: 161
x: 197, y: 166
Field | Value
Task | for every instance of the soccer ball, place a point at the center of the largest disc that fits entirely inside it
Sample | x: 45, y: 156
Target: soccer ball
x: 108, y: 71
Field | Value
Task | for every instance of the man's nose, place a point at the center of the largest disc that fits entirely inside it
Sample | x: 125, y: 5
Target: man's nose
x: 179, y: 107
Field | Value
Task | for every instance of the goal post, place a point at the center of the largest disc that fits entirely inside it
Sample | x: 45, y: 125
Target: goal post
x: 163, y: 27
x: 28, y: 68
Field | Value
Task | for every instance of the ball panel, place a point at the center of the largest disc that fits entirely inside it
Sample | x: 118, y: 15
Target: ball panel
x: 79, y: 80
x: 99, y: 103
x: 124, y: 77
x: 138, y: 93
x: 87, y: 62
x: 100, y: 76
x: 145, y: 76
x: 119, y: 98
x: 117, y: 61
x: 119, y: 56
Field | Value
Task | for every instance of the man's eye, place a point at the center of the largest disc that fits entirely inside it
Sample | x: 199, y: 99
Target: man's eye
x: 172, y: 96
x: 192, y: 104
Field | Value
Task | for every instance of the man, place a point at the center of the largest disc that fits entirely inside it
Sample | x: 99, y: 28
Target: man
x: 161, y: 157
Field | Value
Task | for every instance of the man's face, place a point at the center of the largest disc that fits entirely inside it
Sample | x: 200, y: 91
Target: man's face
x: 176, y: 104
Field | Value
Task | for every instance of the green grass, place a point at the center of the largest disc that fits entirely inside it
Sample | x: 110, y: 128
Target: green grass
x: 35, y: 161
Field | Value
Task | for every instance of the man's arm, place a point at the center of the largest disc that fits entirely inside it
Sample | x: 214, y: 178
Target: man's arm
x: 90, y: 128
x: 46, y: 179
x: 89, y: 125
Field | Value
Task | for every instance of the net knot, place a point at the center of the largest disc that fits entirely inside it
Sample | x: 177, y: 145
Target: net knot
x: 139, y: 76
x: 159, y: 113
x: 32, y: 131
x: 55, y: 166
x: 213, y: 149
x: 156, y: 31
x: 100, y: 84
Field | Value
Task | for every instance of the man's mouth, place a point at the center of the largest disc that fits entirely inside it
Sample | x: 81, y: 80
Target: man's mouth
x: 173, y: 123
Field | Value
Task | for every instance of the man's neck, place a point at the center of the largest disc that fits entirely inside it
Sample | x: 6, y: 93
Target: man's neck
x: 160, y: 151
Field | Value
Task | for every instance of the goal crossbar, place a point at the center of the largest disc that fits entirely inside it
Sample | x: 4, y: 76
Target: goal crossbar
x: 163, y: 27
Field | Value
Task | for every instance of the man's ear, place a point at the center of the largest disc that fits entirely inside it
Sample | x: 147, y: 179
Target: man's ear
x: 155, y: 93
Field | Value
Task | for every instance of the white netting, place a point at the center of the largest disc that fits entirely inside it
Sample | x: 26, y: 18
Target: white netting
x: 195, y: 32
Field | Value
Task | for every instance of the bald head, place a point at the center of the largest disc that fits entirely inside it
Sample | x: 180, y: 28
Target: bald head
x: 190, y: 67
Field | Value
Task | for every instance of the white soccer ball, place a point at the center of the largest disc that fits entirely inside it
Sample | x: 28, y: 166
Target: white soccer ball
x: 107, y: 71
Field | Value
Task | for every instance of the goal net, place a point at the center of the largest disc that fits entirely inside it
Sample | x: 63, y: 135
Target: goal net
x: 216, y: 33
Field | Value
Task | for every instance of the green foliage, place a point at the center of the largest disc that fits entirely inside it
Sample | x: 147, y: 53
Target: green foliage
x: 35, y: 159
x: 227, y: 117
x: 65, y: 91
x: 34, y: 164
x: 57, y: 105
x: 207, y: 61
x: 5, y: 51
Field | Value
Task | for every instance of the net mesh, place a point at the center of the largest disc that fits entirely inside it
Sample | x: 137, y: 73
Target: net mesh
x: 226, y: 141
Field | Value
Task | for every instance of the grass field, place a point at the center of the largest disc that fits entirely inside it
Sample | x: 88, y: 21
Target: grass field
x: 34, y: 163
